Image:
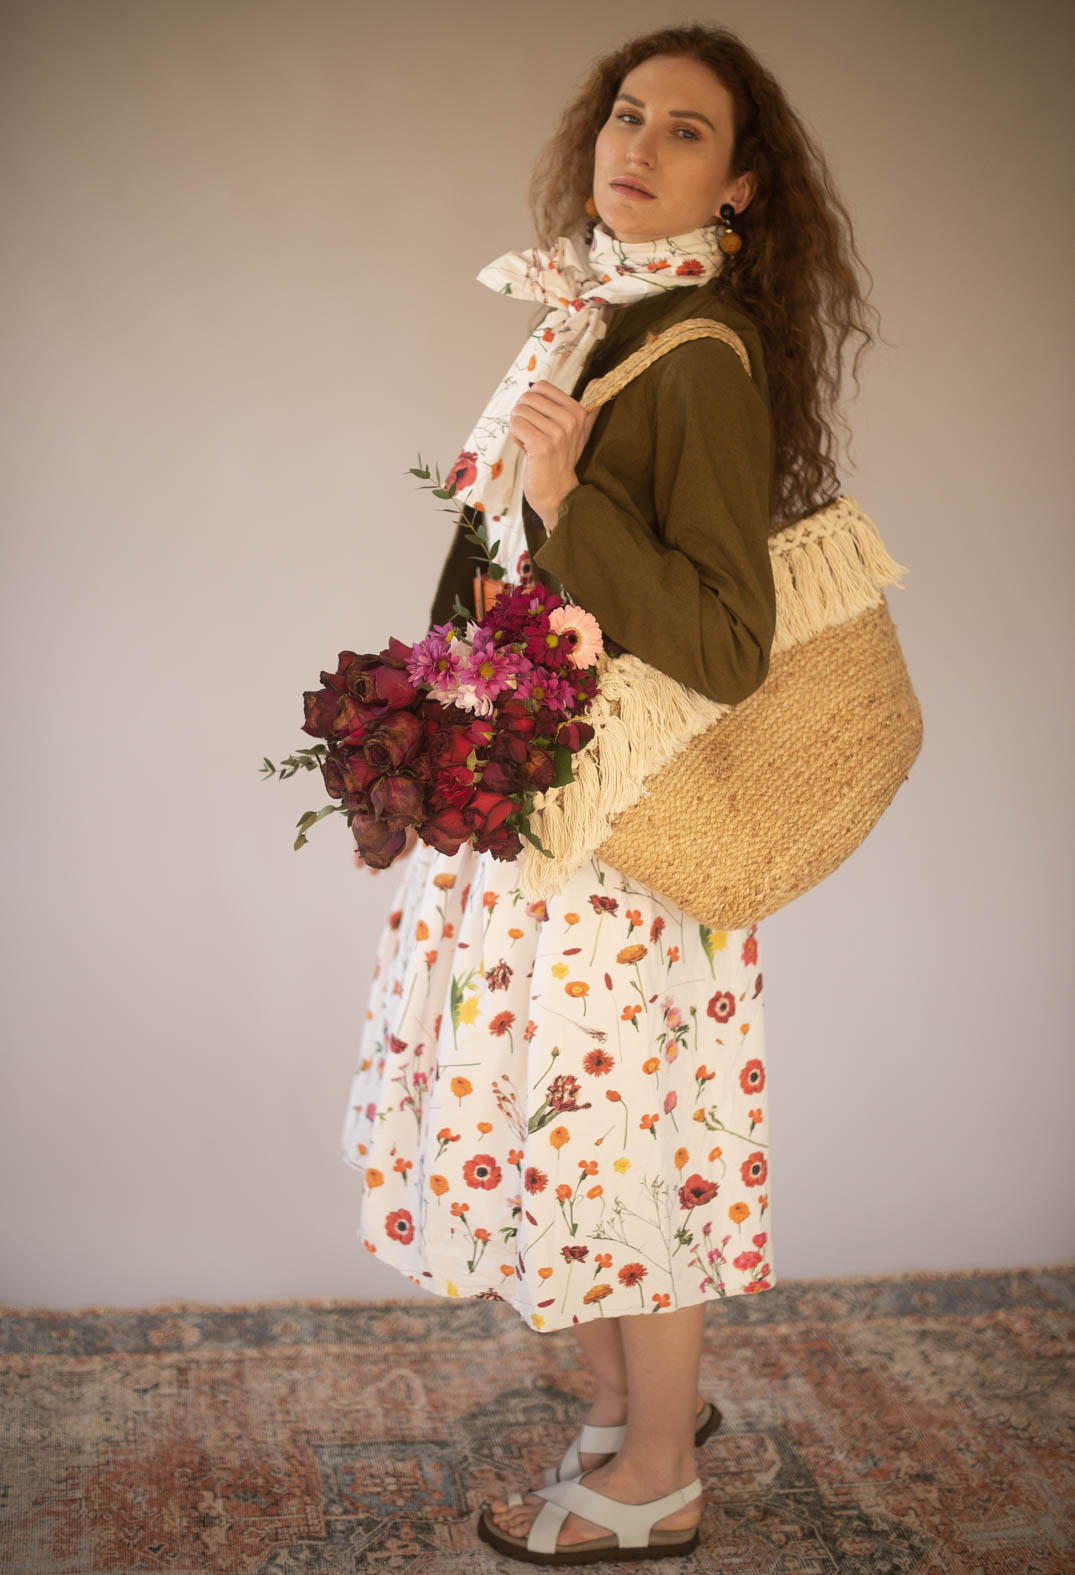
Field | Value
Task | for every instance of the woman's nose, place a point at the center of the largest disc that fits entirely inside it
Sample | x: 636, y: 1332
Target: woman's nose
x: 641, y: 151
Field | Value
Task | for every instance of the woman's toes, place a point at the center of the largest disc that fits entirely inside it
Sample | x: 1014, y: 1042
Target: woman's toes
x: 516, y: 1519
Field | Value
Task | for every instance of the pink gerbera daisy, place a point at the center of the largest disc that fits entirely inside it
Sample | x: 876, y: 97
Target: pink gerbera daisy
x: 587, y: 644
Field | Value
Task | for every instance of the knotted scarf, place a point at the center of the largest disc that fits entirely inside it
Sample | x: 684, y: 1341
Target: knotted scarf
x: 581, y: 285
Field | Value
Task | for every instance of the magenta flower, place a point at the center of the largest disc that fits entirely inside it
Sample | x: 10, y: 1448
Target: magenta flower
x: 548, y: 689
x: 433, y: 660
x: 491, y: 670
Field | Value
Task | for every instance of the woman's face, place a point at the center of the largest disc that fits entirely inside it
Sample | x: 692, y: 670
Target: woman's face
x: 670, y: 130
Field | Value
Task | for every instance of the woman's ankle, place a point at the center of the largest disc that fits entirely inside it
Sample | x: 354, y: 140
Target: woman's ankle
x: 657, y: 1475
x: 612, y: 1404
x: 608, y: 1407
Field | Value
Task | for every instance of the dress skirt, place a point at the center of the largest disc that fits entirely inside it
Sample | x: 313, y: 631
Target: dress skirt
x: 561, y: 1104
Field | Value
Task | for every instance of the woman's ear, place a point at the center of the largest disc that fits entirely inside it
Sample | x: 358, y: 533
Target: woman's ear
x: 745, y: 191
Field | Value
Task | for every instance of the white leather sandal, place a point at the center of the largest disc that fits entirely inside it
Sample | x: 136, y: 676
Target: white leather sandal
x: 594, y: 1440
x: 630, y: 1534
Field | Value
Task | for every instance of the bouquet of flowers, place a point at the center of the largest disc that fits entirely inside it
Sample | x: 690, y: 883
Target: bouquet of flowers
x: 455, y: 735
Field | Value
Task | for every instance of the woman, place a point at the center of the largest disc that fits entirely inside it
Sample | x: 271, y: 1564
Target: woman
x: 563, y: 1104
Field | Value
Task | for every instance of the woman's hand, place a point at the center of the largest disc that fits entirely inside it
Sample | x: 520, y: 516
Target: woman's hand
x: 552, y: 430
x: 412, y: 838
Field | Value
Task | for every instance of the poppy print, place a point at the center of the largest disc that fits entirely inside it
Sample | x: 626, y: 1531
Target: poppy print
x: 561, y: 1104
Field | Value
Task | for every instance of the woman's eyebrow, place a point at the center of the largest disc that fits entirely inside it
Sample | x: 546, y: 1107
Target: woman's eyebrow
x: 677, y: 114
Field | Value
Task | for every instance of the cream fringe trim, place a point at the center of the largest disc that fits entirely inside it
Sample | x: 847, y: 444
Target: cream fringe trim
x: 827, y: 568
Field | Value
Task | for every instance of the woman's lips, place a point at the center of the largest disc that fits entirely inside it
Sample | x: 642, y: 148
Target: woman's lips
x: 630, y: 191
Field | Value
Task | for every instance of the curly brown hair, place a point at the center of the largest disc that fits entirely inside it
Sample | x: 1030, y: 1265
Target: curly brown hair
x: 794, y: 273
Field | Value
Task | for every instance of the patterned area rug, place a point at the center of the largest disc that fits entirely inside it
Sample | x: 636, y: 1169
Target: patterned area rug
x: 874, y: 1426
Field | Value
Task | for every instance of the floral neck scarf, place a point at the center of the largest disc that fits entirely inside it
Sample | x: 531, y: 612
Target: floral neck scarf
x: 580, y: 287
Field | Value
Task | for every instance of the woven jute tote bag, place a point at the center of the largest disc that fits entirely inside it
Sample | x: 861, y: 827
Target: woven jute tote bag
x: 733, y: 811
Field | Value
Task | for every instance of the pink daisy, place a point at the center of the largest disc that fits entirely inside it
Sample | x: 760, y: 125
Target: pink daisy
x: 588, y: 643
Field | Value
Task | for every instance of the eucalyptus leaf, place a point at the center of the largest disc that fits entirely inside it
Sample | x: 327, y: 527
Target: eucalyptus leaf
x: 529, y: 835
x: 564, y: 771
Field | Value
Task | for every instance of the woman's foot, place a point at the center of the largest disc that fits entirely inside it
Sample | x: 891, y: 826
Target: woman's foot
x: 615, y: 1482
x: 607, y: 1413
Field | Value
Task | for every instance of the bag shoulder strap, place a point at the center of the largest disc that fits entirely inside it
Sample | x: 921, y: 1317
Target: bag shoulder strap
x: 601, y: 389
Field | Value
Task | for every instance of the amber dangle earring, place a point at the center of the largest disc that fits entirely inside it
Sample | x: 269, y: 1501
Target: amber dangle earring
x: 729, y: 240
x: 591, y: 209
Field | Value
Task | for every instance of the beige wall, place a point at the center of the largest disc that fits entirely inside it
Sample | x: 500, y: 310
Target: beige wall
x: 238, y: 299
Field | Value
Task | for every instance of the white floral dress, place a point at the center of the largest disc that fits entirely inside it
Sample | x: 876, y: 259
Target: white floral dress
x: 561, y: 1104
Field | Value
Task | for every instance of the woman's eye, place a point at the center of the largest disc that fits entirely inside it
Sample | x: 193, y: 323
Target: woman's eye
x: 625, y: 114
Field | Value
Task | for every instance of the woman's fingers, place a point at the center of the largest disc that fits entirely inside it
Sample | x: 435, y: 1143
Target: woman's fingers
x: 542, y: 422
x: 552, y: 430
x: 547, y: 401
x: 546, y: 413
x: 526, y: 429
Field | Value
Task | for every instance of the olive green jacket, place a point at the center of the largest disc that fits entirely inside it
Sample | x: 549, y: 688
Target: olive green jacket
x: 665, y: 539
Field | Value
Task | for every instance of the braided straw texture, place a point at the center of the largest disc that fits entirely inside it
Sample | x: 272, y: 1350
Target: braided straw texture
x: 733, y: 811
x: 600, y: 389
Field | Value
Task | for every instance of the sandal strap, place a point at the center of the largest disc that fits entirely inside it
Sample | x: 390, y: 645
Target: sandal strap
x: 593, y: 1440
x: 570, y: 1465
x: 629, y: 1523
x: 545, y: 1530
x: 590, y: 1440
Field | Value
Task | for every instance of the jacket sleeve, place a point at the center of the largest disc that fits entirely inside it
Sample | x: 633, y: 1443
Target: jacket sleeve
x: 678, y: 572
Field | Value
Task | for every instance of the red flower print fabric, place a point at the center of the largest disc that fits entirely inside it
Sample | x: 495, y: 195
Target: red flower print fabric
x: 561, y: 1104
